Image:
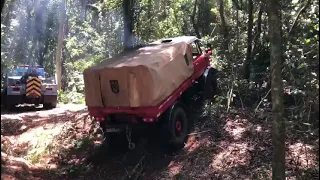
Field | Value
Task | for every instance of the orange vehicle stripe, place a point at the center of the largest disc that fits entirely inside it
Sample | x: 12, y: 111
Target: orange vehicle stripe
x: 33, y: 82
x: 34, y: 79
x: 33, y: 92
x: 33, y: 86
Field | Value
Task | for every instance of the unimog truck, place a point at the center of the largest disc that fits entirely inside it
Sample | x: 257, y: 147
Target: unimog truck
x: 150, y: 86
x: 28, y: 85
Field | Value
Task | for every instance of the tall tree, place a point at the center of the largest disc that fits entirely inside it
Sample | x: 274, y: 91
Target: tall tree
x: 60, y: 43
x: 224, y: 28
x: 249, y: 41
x: 256, y: 38
x: 276, y: 60
x: 2, y: 4
x: 193, y: 19
x: 128, y: 12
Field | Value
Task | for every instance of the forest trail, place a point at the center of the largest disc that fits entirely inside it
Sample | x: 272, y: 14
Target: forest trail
x: 63, y: 143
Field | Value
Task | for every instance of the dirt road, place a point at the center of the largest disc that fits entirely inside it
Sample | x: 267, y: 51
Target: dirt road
x: 63, y: 143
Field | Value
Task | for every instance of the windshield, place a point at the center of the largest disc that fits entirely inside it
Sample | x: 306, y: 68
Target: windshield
x: 22, y: 71
x: 12, y: 81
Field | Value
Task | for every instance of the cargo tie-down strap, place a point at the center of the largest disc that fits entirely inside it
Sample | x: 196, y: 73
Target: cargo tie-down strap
x: 33, y: 88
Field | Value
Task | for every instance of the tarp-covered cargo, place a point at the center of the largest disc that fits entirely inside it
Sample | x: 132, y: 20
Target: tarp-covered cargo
x: 142, y: 77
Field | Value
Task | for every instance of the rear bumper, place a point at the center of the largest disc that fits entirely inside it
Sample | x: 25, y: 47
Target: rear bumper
x: 122, y: 127
x: 15, y: 99
x: 152, y: 112
x: 20, y: 99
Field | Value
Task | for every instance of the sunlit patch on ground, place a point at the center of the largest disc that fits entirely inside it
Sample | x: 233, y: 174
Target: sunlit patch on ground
x: 235, y: 154
x: 28, y: 139
x: 301, y: 155
x: 194, y: 142
x: 236, y: 128
x: 174, y: 168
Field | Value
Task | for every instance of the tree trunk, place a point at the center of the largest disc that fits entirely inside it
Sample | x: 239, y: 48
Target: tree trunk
x: 256, y: 39
x: 2, y: 4
x: 127, y: 6
x: 84, y: 8
x: 236, y: 4
x: 193, y: 19
x: 108, y: 20
x: 149, y: 15
x: 278, y: 134
x: 42, y: 51
x: 6, y: 20
x: 26, y: 56
x: 60, y: 44
x: 64, y: 78
x: 246, y: 66
x: 224, y: 28
x: 198, y: 22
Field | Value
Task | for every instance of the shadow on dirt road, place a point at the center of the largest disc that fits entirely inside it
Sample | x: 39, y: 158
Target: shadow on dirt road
x: 20, y: 109
x: 88, y: 157
x: 75, y: 149
x: 65, y: 144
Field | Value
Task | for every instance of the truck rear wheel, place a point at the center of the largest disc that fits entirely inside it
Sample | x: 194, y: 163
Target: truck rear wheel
x: 177, y: 127
x: 9, y: 107
x: 5, y: 101
x: 3, y: 97
x: 49, y: 105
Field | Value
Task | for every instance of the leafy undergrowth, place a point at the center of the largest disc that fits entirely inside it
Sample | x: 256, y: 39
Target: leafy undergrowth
x: 233, y: 145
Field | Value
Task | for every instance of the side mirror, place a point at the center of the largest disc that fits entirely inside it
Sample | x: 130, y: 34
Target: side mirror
x: 209, y: 52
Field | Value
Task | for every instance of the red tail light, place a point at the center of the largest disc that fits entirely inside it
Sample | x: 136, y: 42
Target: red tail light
x: 148, y: 119
x: 100, y: 118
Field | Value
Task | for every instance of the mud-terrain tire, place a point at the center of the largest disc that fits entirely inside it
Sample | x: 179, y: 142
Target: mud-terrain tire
x: 50, y: 105
x: 4, y: 101
x: 3, y: 98
x: 47, y: 106
x: 53, y: 104
x: 177, y: 127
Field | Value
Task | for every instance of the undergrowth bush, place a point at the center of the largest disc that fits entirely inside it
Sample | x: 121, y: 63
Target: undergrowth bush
x: 71, y: 97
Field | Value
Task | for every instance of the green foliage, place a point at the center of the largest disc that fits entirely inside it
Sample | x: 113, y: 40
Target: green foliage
x: 73, y: 97
x: 94, y: 31
x: 41, y: 147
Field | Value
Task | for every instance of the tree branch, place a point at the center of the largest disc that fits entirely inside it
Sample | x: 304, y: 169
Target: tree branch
x: 304, y: 8
x: 235, y: 2
x: 256, y: 109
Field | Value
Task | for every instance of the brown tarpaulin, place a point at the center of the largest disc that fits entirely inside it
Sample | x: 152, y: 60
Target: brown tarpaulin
x: 145, y: 76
